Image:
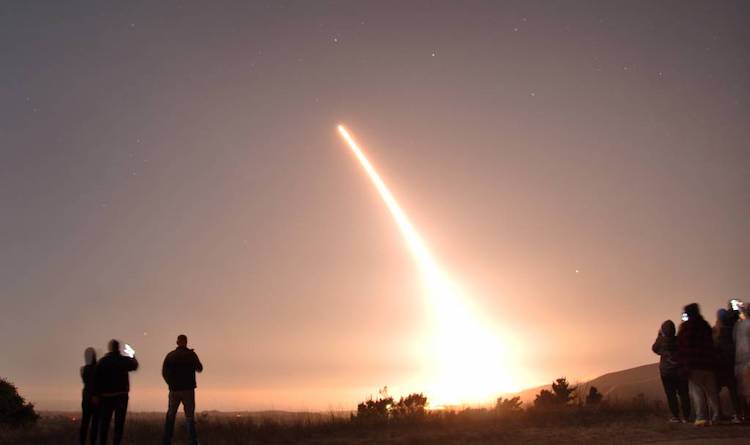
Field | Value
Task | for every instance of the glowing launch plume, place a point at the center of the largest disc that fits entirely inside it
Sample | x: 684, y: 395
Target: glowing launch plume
x: 465, y: 363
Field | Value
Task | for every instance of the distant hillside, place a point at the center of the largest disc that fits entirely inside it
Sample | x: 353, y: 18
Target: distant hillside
x: 619, y: 385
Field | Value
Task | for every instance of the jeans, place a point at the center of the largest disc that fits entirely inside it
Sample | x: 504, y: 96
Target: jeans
x: 109, y: 405
x: 187, y: 398
x: 89, y: 416
x: 702, y: 386
x: 742, y: 375
x: 730, y: 382
x: 674, y: 387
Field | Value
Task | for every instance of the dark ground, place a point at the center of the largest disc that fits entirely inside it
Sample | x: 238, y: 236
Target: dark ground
x: 144, y: 429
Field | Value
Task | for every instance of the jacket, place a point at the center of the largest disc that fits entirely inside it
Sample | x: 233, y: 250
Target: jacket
x: 724, y: 342
x: 111, y: 377
x: 695, y: 345
x: 665, y: 346
x: 87, y: 376
x: 742, y: 343
x: 179, y: 369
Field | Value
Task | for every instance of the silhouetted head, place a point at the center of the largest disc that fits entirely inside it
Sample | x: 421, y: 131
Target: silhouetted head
x: 114, y: 346
x: 182, y: 340
x: 723, y: 317
x: 668, y: 329
x: 89, y: 356
x: 693, y: 311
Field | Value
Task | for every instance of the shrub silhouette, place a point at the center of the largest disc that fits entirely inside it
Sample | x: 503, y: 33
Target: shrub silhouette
x: 14, y: 410
x: 545, y: 398
x: 594, y: 397
x: 410, y: 407
x: 507, y: 407
x: 562, y: 394
x: 375, y: 411
x: 563, y: 391
x: 384, y: 408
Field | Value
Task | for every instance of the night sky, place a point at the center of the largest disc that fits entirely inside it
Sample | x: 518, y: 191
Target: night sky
x: 581, y: 167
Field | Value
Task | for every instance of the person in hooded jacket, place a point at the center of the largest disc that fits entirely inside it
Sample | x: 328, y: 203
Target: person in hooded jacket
x: 724, y: 343
x: 89, y: 408
x: 112, y: 388
x: 673, y: 377
x: 695, y: 351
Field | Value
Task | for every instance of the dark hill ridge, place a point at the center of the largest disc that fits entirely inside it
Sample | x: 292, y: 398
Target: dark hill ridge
x: 619, y: 385
x: 624, y: 385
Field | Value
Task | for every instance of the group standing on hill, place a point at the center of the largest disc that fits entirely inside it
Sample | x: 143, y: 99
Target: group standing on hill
x: 106, y: 386
x: 698, y: 360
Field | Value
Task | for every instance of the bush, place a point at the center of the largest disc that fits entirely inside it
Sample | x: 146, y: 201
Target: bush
x: 545, y: 399
x: 410, y: 407
x: 594, y: 397
x: 384, y: 408
x: 563, y: 391
x: 374, y: 411
x: 14, y: 411
x: 507, y: 407
x: 561, y: 395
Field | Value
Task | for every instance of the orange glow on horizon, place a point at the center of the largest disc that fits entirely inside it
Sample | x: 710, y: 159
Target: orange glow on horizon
x: 466, y: 361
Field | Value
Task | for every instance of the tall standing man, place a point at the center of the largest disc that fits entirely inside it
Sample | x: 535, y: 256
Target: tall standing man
x: 112, y: 387
x: 696, y: 352
x: 178, y: 371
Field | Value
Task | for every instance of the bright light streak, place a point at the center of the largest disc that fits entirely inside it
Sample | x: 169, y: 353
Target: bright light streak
x: 466, y: 363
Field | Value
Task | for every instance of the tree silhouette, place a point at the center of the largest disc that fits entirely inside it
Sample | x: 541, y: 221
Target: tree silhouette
x: 508, y: 406
x: 384, y: 408
x: 545, y: 399
x: 563, y: 391
x: 562, y: 394
x: 409, y: 407
x: 374, y: 410
x: 14, y: 410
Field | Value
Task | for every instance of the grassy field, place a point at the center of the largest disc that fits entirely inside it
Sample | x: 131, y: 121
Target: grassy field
x: 465, y: 427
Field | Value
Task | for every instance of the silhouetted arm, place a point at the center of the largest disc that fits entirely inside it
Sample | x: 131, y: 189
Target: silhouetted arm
x: 132, y: 364
x: 198, y: 364
x: 166, y: 369
x: 657, y: 345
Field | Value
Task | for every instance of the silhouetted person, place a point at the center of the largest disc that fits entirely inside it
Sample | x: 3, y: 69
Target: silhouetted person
x: 695, y: 349
x: 742, y: 357
x: 112, y: 388
x: 673, y: 375
x: 724, y: 342
x: 179, y: 371
x: 89, y: 401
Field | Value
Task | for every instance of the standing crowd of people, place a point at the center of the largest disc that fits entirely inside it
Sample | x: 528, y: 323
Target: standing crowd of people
x: 106, y: 386
x: 697, y: 361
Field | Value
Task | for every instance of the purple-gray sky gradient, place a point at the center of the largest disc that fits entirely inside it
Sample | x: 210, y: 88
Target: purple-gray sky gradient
x: 581, y: 167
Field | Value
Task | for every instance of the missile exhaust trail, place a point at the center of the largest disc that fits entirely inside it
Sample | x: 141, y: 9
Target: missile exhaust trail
x: 413, y: 240
x: 466, y: 361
